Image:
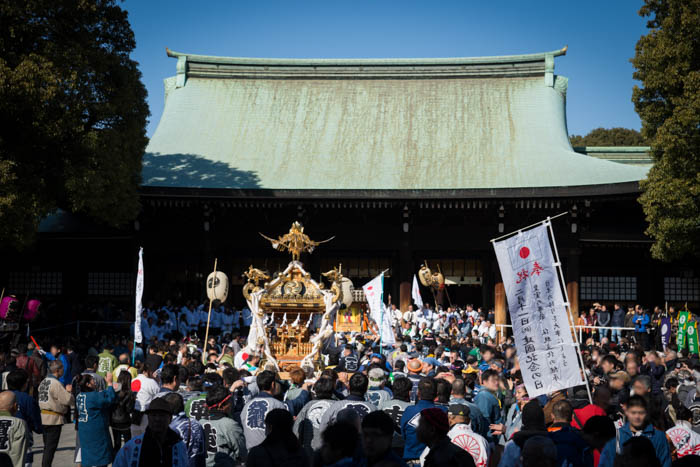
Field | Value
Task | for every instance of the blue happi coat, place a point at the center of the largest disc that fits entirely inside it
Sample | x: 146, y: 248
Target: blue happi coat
x: 94, y: 409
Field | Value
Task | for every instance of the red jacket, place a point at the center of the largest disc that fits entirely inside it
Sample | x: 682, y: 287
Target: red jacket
x: 582, y: 415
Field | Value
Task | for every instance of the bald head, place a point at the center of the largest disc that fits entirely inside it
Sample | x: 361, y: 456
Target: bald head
x: 7, y: 401
x: 124, y: 359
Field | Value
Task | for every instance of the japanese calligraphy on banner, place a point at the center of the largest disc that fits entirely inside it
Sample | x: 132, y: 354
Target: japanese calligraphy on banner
x: 683, y: 317
x: 546, y: 350
x: 139, y: 305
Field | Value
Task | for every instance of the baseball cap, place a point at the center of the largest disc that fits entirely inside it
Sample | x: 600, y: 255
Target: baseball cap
x: 432, y: 361
x: 459, y: 409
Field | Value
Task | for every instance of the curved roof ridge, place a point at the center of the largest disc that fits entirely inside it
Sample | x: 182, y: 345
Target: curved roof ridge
x: 252, y: 61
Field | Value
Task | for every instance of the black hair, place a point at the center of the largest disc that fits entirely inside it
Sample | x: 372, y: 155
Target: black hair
x: 638, y: 451
x: 358, y: 384
x: 379, y: 420
x: 683, y: 413
x: 91, y: 361
x: 427, y: 387
x: 342, y: 437
x: 16, y: 379
x: 671, y: 383
x: 280, y: 423
x: 230, y: 376
x: 265, y: 380
x: 323, y: 388
x: 399, y: 365
x: 177, y: 404
x: 168, y: 373
x: 183, y: 374
x: 83, y: 381
x: 611, y: 360
x: 402, y: 389
x: 212, y: 379
x: 216, y: 395
x: 637, y: 401
x: 443, y: 390
x: 489, y: 374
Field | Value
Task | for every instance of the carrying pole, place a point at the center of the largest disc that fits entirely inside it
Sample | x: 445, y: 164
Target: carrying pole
x: 206, y: 334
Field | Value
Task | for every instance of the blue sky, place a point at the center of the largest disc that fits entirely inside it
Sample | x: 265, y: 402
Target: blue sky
x: 601, y: 36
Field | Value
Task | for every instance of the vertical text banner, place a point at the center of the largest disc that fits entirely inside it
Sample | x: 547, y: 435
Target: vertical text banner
x: 546, y: 351
x: 415, y: 294
x: 682, y: 326
x: 374, y: 293
x: 139, y: 294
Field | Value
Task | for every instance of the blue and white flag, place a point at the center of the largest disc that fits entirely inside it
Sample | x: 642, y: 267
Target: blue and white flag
x: 546, y: 349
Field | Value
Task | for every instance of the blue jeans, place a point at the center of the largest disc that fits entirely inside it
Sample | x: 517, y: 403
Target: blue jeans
x: 616, y: 334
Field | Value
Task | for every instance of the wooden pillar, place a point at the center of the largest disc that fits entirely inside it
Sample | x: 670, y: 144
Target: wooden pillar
x: 572, y: 290
x: 573, y: 274
x: 500, y: 306
x: 404, y: 295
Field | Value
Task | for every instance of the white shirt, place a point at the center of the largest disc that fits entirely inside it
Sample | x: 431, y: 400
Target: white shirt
x: 146, y: 389
x: 462, y: 436
x: 683, y: 437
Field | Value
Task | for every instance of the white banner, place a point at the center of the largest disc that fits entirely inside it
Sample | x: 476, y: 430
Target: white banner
x: 546, y: 351
x: 415, y: 293
x: 374, y: 293
x: 139, y: 294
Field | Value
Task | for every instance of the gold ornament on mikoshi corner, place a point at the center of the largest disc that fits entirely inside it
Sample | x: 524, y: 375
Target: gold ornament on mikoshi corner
x: 295, y: 241
x: 254, y: 277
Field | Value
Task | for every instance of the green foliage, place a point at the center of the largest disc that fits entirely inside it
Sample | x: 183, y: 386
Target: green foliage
x: 72, y: 114
x: 609, y: 137
x: 667, y: 63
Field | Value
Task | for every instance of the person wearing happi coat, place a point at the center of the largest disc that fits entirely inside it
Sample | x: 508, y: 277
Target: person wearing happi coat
x: 93, y: 413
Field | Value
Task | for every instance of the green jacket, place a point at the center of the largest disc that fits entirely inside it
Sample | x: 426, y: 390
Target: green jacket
x: 106, y: 363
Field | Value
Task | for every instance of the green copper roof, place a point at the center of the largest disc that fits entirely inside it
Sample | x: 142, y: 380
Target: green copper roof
x: 357, y: 124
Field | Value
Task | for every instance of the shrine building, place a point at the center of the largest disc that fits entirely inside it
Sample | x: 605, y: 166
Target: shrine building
x: 402, y: 160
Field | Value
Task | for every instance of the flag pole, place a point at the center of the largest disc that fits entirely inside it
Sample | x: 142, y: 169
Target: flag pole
x: 381, y: 326
x: 138, y: 306
x: 529, y: 226
x: 206, y: 333
x: 570, y: 314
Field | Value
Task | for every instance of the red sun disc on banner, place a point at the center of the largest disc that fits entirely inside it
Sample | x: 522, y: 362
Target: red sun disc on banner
x: 524, y: 252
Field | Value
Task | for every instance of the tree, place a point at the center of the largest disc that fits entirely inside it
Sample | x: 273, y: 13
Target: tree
x: 73, y: 114
x: 609, y: 137
x: 667, y: 63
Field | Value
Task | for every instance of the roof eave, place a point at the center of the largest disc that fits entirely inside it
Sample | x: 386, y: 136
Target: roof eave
x: 333, y: 62
x: 610, y: 189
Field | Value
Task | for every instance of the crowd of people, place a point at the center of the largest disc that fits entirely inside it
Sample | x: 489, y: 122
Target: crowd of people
x: 449, y: 392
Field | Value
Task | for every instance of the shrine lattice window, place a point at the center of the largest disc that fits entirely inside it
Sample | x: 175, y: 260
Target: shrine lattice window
x: 682, y: 289
x: 608, y: 288
x: 39, y: 283
x: 111, y: 283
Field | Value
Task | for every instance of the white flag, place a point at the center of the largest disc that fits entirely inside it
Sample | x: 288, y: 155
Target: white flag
x: 415, y: 293
x: 374, y: 293
x: 546, y: 351
x: 139, y: 294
